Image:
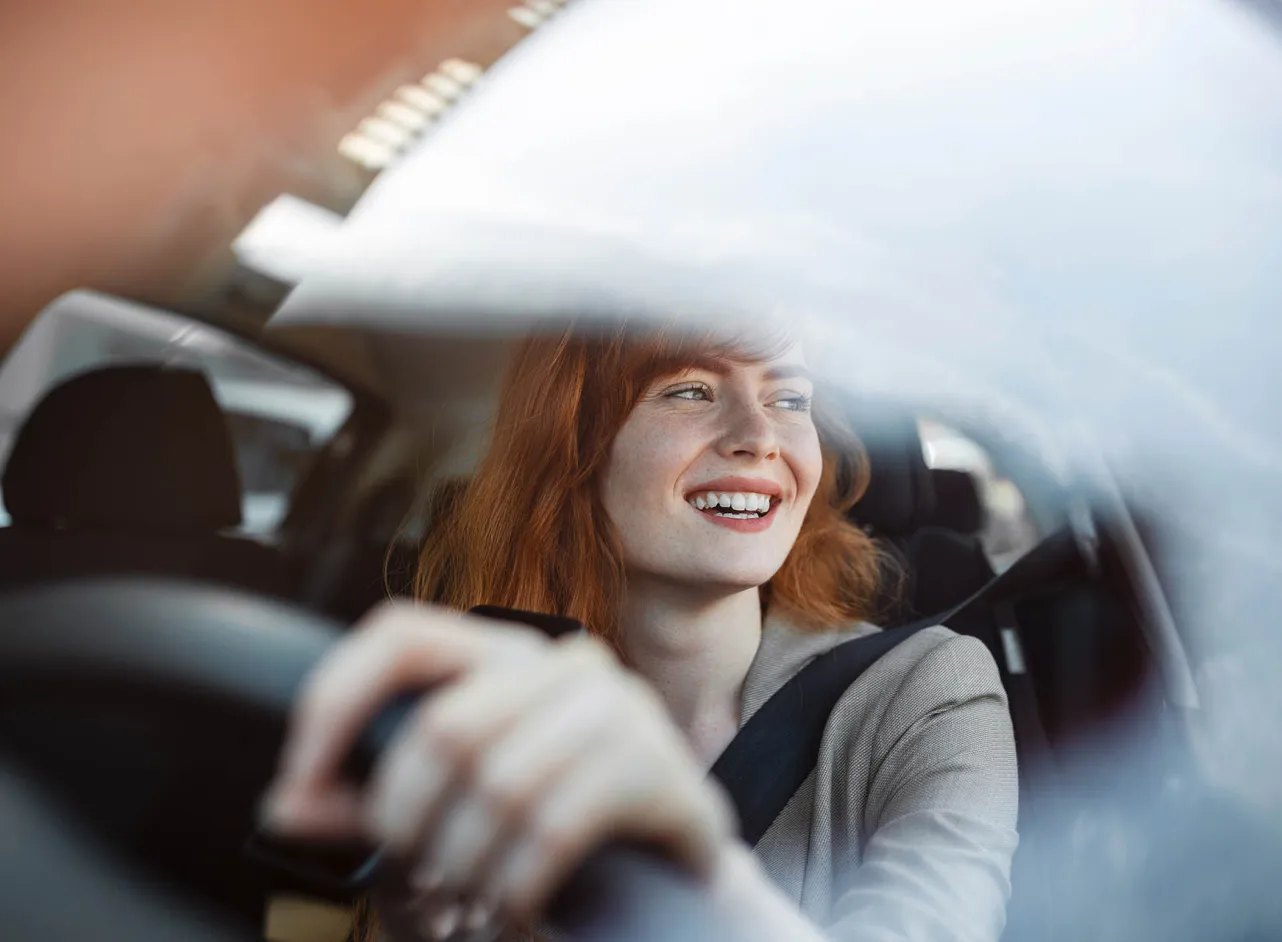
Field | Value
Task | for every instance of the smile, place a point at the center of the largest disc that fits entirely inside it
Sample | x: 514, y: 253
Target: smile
x: 738, y: 504
x: 746, y: 511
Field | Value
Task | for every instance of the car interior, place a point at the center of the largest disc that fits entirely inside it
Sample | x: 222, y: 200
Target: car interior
x: 130, y: 469
x: 198, y: 496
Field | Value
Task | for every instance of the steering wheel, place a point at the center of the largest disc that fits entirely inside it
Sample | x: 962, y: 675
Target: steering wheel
x: 222, y: 667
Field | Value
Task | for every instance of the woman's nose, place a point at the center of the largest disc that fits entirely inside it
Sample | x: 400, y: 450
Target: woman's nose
x: 749, y: 433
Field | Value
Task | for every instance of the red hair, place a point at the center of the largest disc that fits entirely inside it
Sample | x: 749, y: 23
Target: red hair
x: 528, y: 530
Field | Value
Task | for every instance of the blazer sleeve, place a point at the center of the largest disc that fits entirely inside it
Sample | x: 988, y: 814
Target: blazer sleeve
x: 938, y: 826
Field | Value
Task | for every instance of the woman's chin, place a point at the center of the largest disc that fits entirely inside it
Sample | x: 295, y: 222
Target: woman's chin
x: 722, y: 580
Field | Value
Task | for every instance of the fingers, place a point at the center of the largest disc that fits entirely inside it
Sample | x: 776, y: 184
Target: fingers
x: 439, y: 913
x: 613, y: 796
x: 505, y: 778
x: 401, y: 647
x: 451, y: 735
x: 593, y: 758
x: 515, y: 773
x: 418, y: 912
x: 336, y: 813
x: 442, y: 923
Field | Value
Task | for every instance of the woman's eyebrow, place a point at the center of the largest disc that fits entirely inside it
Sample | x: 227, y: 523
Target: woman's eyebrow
x: 791, y: 371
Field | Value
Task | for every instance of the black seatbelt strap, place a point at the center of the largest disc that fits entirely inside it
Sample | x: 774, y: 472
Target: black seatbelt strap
x: 777, y: 748
x: 773, y: 753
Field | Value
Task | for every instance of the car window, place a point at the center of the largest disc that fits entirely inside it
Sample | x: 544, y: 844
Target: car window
x: 1008, y: 531
x: 280, y: 413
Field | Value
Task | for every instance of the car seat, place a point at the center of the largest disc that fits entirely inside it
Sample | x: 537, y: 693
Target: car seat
x: 948, y: 549
x: 129, y: 470
x: 957, y: 504
x: 930, y: 567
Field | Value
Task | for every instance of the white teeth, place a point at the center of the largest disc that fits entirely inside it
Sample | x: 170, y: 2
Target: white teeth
x: 739, y: 503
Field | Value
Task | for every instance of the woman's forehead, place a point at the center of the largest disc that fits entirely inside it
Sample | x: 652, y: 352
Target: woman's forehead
x: 792, y: 355
x: 789, y: 360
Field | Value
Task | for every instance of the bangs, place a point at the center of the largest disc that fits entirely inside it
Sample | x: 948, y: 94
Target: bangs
x: 645, y: 356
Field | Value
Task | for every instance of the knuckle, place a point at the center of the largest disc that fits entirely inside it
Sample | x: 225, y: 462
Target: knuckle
x: 509, y: 795
x: 321, y: 698
x: 715, y: 809
x: 589, y: 658
x: 592, y: 650
x: 446, y: 734
x: 406, y: 624
x: 558, y: 839
x: 387, y: 617
x: 510, y: 636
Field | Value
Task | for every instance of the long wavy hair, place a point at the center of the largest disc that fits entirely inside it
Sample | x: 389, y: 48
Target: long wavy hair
x: 528, y: 530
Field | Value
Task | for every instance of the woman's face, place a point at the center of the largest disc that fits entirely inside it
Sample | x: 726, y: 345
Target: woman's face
x: 710, y: 477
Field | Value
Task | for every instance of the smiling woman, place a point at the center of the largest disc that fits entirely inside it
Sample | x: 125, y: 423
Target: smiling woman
x: 684, y: 498
x: 600, y: 447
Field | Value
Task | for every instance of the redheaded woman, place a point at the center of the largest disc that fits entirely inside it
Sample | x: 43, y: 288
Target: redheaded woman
x: 684, y: 501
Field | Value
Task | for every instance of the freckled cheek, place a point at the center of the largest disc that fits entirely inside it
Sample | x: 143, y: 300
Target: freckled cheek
x: 648, y: 461
x: 806, y: 459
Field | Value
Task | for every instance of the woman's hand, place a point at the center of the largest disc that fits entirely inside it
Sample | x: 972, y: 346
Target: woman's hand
x: 529, y: 755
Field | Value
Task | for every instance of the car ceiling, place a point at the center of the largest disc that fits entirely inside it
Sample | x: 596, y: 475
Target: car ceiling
x: 145, y: 137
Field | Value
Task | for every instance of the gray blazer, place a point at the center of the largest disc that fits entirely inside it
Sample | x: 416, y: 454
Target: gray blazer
x: 906, y: 828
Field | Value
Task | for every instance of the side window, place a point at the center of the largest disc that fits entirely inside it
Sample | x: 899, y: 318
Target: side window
x: 1006, y: 530
x: 280, y: 413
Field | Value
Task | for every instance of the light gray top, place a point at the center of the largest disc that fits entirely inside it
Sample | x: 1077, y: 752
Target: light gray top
x: 906, y: 828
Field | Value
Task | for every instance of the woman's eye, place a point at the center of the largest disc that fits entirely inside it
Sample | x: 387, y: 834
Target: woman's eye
x: 793, y: 403
x: 697, y: 393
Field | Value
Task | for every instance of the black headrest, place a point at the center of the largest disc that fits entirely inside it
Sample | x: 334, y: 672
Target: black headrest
x: 133, y: 447
x: 900, y: 495
x: 957, y: 503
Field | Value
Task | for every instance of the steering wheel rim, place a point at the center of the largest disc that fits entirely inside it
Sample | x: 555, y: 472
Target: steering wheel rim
x: 249, y: 654
x: 210, y: 641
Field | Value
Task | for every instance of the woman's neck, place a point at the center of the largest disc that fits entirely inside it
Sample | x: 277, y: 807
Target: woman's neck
x: 695, y: 649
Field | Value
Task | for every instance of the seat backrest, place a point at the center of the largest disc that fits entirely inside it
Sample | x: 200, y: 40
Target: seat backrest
x: 949, y: 567
x: 900, y: 496
x: 938, y: 567
x: 958, y: 506
x: 129, y: 470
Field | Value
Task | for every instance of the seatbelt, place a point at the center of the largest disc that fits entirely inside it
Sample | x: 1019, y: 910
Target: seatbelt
x: 777, y: 748
x: 773, y: 753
